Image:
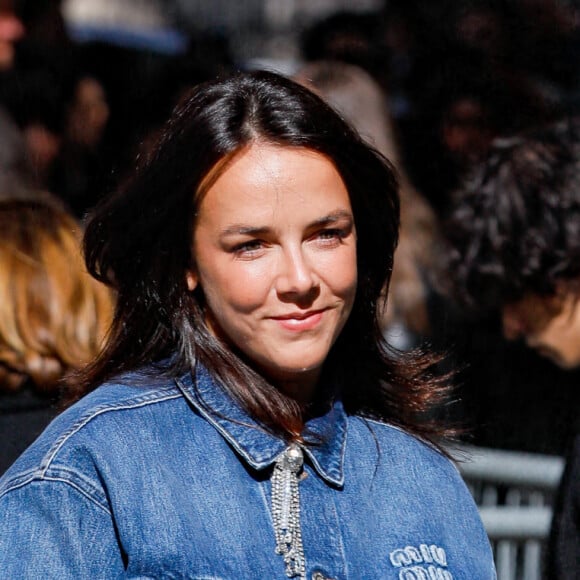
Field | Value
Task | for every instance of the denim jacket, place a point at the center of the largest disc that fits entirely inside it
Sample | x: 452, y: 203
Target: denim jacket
x: 165, y: 481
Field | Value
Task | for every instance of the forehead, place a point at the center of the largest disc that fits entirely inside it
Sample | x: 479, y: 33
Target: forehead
x: 264, y: 178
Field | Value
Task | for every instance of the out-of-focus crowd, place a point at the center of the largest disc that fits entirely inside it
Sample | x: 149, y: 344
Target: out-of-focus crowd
x: 432, y: 86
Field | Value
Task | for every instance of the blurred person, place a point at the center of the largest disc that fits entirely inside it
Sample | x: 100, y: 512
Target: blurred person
x: 80, y: 171
x: 347, y: 36
x: 16, y: 179
x: 139, y: 103
x: 31, y: 83
x: 484, y: 26
x: 62, y: 112
x: 469, y: 85
x: 88, y: 112
x: 530, y: 46
x: 53, y: 317
x: 465, y: 104
x: 246, y: 418
x: 402, y: 38
x: 362, y: 101
x: 45, y: 24
x: 515, y: 247
x: 549, y: 44
x: 467, y: 129
x: 456, y: 120
x: 35, y: 100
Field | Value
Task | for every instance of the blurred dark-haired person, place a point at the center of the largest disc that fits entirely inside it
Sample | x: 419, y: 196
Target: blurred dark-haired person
x: 253, y: 424
x: 53, y: 317
x: 515, y: 248
x: 79, y: 173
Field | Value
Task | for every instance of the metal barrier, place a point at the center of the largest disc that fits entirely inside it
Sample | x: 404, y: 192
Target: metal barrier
x: 514, y: 492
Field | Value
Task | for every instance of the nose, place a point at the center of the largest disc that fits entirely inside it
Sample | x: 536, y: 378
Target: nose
x: 513, y: 327
x: 296, y: 276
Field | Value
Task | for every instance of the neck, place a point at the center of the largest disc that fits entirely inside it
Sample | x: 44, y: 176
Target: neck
x: 299, y: 391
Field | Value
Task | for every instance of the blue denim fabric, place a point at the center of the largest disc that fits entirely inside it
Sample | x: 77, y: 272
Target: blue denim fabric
x: 140, y: 481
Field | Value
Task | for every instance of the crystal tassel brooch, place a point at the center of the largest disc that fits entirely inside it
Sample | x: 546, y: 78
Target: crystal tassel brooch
x: 286, y: 511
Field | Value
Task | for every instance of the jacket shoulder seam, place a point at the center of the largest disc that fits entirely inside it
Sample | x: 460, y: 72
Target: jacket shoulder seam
x: 135, y: 403
x: 35, y: 477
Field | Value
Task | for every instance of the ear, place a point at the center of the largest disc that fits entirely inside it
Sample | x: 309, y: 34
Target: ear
x: 191, y: 278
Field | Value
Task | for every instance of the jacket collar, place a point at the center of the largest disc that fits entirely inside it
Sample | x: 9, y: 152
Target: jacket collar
x: 256, y: 446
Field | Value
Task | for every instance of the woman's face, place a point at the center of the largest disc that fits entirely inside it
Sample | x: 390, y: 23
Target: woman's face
x: 275, y: 254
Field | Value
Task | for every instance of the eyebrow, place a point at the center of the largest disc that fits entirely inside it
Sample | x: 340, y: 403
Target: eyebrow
x: 243, y: 229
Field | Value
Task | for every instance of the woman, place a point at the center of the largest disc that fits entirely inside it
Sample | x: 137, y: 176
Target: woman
x: 248, y: 253
x: 53, y: 317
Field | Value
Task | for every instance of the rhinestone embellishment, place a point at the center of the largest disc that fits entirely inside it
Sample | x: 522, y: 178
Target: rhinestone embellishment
x: 286, y: 511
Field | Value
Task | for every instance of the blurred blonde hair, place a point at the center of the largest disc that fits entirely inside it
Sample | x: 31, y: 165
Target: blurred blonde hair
x: 53, y: 315
x: 363, y: 103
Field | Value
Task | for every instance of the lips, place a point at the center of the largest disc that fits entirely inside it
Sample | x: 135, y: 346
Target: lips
x: 299, y: 321
x: 297, y: 315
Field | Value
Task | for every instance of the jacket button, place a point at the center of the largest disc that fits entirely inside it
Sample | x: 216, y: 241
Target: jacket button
x: 320, y: 576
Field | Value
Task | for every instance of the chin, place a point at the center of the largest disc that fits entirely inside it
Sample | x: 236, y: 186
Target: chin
x: 298, y: 372
x: 560, y: 362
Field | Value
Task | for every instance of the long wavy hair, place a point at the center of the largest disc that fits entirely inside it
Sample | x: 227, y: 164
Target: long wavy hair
x: 53, y: 315
x: 139, y: 241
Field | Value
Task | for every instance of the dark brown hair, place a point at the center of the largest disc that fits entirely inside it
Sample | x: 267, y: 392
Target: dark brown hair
x: 516, y: 227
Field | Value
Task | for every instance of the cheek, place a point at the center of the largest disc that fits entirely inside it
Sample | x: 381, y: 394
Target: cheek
x: 568, y: 346
x: 241, y: 288
x: 341, y: 274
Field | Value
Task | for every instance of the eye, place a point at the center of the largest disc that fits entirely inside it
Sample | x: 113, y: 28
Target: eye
x: 330, y: 236
x: 249, y: 249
